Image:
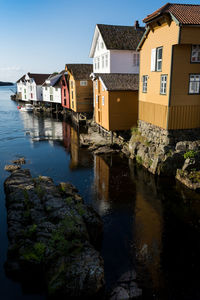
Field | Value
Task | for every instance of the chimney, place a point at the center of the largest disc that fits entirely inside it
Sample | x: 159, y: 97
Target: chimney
x: 136, y: 24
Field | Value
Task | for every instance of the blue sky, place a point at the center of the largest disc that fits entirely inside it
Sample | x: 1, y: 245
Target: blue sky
x: 42, y: 35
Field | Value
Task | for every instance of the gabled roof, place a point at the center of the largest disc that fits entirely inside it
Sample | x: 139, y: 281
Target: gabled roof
x: 80, y: 71
x: 38, y: 78
x: 119, y: 82
x: 185, y: 14
x: 53, y: 80
x: 117, y: 37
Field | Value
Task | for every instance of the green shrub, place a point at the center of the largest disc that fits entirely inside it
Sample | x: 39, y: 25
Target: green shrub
x: 190, y: 154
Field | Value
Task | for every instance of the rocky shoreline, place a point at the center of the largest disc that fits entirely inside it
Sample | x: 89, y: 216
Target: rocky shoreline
x: 54, y: 235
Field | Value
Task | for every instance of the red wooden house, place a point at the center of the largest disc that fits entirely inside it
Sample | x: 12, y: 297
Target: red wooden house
x: 65, y: 91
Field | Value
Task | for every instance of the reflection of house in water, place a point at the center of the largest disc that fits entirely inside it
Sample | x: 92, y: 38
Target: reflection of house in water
x: 80, y: 158
x: 66, y: 136
x: 42, y: 128
x: 148, y: 226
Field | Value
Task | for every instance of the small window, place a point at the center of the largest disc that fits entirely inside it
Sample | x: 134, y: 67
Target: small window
x: 163, y: 84
x: 159, y: 59
x: 56, y: 89
x: 83, y: 83
x: 72, y: 104
x: 195, y: 55
x: 31, y: 88
x: 144, y: 83
x: 64, y: 92
x: 106, y: 60
x: 51, y: 97
x: 102, y: 100
x: 97, y: 99
x: 45, y: 88
x: 24, y: 96
x: 102, y: 62
x: 194, y: 85
x: 72, y: 84
x: 72, y: 95
x: 136, y: 59
x: 24, y: 91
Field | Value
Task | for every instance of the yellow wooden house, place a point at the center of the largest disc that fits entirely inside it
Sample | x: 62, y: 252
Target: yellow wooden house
x: 169, y: 88
x: 80, y: 87
x: 116, y: 101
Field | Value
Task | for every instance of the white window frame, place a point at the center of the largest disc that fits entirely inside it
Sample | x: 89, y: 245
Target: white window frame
x: 136, y: 59
x: 159, y: 60
x: 106, y: 60
x: 103, y: 100
x: 83, y: 83
x: 102, y: 60
x: 194, y: 84
x: 144, y: 83
x: 163, y: 84
x: 195, y: 54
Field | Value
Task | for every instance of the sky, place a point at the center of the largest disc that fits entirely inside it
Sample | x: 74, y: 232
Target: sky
x: 41, y: 36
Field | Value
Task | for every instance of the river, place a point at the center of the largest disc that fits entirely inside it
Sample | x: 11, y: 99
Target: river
x: 151, y: 224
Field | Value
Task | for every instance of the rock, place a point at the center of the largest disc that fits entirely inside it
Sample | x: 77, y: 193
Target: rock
x: 119, y: 293
x: 11, y: 168
x: 53, y: 234
x: 127, y: 277
x: 19, y: 161
x: 105, y: 150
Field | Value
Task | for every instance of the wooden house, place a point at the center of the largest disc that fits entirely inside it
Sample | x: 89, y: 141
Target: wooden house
x: 65, y: 91
x: 114, y: 48
x: 51, y: 89
x: 116, y: 101
x: 29, y: 87
x: 169, y: 89
x: 80, y: 88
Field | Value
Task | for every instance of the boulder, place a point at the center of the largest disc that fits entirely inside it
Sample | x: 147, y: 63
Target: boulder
x: 11, y: 168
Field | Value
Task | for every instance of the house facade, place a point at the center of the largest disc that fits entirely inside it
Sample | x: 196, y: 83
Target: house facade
x: 116, y: 101
x: 51, y: 89
x: 80, y: 87
x: 114, y: 48
x: 29, y: 87
x: 64, y: 82
x: 169, y: 88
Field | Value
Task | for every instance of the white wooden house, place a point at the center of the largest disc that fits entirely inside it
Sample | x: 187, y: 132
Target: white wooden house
x: 29, y: 87
x: 51, y: 89
x: 114, y: 48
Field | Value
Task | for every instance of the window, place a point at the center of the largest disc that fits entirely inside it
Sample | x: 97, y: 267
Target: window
x: 195, y: 55
x: 83, y: 83
x: 51, y: 97
x: 163, y: 84
x: 144, y: 83
x: 72, y: 95
x: 65, y: 103
x: 106, y: 60
x: 31, y: 88
x: 72, y: 104
x: 72, y: 84
x: 136, y: 59
x: 45, y: 88
x: 102, y: 45
x: 102, y: 100
x: 194, y: 85
x: 97, y: 99
x: 51, y: 90
x: 159, y: 59
x: 102, y: 61
x: 156, y: 59
x: 24, y: 91
x: 64, y: 92
x: 24, y: 96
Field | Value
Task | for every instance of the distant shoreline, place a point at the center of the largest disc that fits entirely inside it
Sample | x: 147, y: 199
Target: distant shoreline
x: 6, y: 83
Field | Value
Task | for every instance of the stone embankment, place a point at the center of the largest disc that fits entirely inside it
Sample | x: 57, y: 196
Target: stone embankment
x: 53, y: 235
x: 167, y: 155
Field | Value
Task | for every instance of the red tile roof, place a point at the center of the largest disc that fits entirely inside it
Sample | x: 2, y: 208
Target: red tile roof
x: 186, y: 14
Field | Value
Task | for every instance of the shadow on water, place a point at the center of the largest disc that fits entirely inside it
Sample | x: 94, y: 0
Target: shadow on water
x: 151, y: 225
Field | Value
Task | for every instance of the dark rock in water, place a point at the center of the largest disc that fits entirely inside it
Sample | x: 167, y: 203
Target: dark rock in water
x: 126, y: 287
x: 19, y: 161
x: 11, y: 168
x: 51, y: 232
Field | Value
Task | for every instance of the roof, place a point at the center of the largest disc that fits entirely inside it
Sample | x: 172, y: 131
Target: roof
x: 119, y: 82
x: 53, y: 80
x: 120, y: 37
x: 38, y: 78
x: 186, y: 14
x: 80, y: 71
x: 117, y: 37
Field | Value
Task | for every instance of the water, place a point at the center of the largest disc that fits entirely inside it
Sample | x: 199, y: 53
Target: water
x: 150, y: 224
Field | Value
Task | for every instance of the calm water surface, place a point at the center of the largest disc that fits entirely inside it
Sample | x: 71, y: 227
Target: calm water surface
x: 150, y: 224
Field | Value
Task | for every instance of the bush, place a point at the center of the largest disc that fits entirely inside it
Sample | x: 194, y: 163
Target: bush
x: 190, y: 154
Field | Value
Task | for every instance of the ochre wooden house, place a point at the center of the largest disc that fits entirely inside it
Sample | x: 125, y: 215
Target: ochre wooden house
x: 169, y: 89
x: 80, y: 87
x: 116, y: 101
